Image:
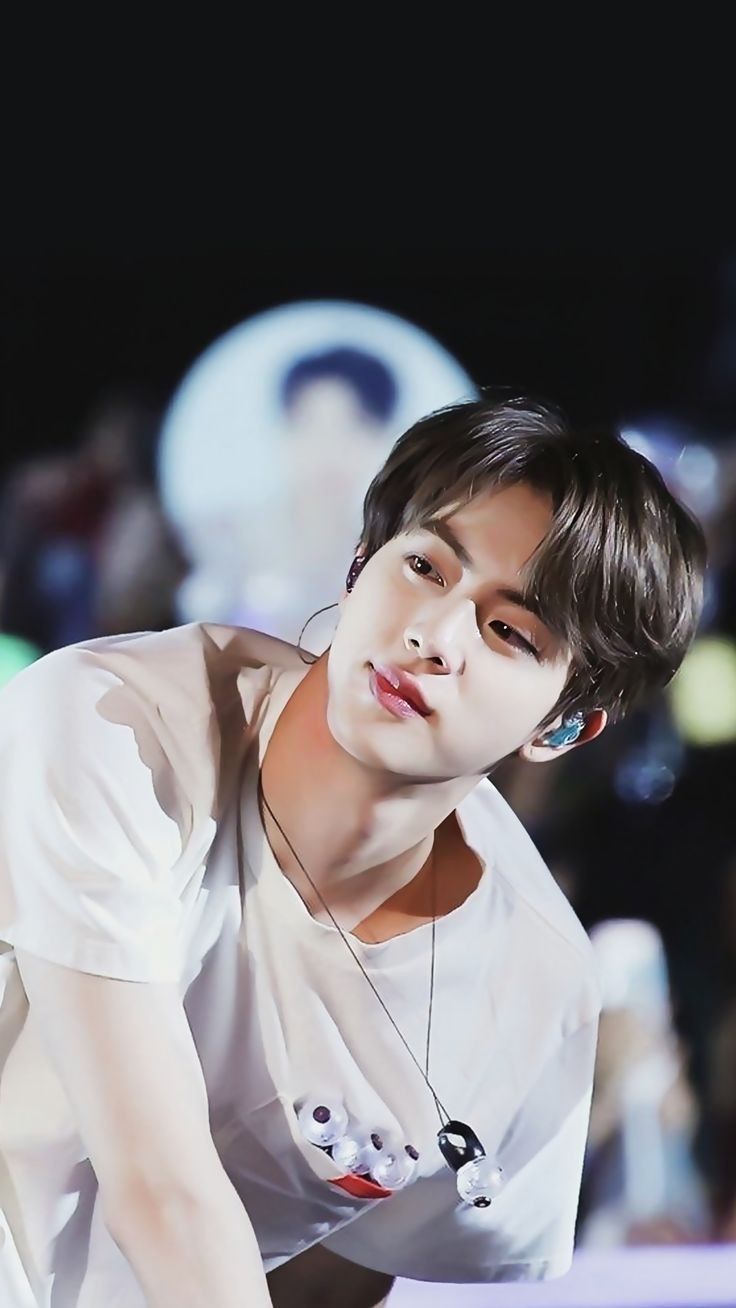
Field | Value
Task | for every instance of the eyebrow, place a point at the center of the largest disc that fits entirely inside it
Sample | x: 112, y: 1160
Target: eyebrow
x: 523, y: 601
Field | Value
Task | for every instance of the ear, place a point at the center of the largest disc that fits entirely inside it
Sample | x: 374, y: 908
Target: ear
x: 359, y: 554
x: 535, y: 751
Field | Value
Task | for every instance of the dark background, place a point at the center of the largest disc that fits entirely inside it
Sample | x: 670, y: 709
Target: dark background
x: 608, y: 335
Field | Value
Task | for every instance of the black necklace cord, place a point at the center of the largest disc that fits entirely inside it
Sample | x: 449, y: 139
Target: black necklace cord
x: 441, y: 1110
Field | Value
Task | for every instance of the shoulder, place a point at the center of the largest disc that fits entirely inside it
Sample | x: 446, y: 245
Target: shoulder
x: 546, y: 925
x: 187, y: 668
x: 184, y: 701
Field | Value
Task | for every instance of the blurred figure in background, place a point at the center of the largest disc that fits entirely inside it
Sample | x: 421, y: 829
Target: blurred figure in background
x: 267, y: 447
x: 84, y: 547
x: 641, y: 1184
x: 337, y: 405
x: 336, y: 408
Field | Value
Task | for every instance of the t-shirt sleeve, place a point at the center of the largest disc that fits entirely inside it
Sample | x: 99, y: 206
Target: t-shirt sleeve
x: 93, y: 822
x: 428, y: 1233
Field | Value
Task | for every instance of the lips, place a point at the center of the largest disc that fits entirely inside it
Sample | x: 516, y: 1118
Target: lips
x: 404, y: 684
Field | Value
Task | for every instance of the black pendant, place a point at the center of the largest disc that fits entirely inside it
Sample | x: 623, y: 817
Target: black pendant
x: 458, y: 1152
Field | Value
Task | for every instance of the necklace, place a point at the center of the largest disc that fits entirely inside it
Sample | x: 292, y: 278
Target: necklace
x: 477, y: 1179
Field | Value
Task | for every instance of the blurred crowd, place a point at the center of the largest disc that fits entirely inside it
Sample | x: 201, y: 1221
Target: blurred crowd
x: 84, y: 546
x: 635, y: 829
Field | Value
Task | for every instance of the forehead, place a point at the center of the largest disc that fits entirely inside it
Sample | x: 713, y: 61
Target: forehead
x: 500, y: 526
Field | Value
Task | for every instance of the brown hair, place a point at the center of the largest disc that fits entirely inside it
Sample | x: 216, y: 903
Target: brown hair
x: 619, y: 575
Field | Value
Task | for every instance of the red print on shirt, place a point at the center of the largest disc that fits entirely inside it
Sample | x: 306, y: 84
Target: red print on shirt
x: 360, y: 1186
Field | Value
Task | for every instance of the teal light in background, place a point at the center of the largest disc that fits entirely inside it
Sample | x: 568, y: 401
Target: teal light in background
x: 15, y: 654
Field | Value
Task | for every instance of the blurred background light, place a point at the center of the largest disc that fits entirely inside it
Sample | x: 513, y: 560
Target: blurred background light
x: 703, y: 693
x: 270, y: 443
x: 15, y: 654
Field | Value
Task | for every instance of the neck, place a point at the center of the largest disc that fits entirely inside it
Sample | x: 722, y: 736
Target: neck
x: 360, y: 833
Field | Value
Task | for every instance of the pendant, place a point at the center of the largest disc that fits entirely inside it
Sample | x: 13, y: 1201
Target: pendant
x: 479, y: 1180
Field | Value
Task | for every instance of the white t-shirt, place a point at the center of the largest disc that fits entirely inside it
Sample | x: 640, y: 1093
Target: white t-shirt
x: 128, y: 768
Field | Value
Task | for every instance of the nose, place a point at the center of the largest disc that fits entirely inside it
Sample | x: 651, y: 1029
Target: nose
x: 444, y: 639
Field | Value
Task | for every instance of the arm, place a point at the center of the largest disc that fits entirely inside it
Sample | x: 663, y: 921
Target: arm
x: 319, y: 1278
x: 125, y: 1055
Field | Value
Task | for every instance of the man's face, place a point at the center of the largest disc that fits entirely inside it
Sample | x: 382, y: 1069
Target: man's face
x: 418, y: 607
x: 334, y: 449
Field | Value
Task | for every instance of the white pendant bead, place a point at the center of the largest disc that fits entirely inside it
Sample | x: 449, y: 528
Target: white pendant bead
x: 346, y: 1152
x: 394, y: 1167
x: 479, y: 1181
x: 323, y: 1120
x: 370, y: 1152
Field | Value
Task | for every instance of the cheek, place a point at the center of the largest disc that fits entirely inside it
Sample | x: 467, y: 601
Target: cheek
x: 372, y: 610
x: 531, y: 708
x: 515, y: 701
x: 356, y: 640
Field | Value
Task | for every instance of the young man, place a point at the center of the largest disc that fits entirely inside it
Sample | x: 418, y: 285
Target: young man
x: 268, y: 928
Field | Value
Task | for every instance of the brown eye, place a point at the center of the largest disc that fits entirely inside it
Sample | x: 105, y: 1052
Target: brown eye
x: 510, y: 636
x: 411, y: 559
